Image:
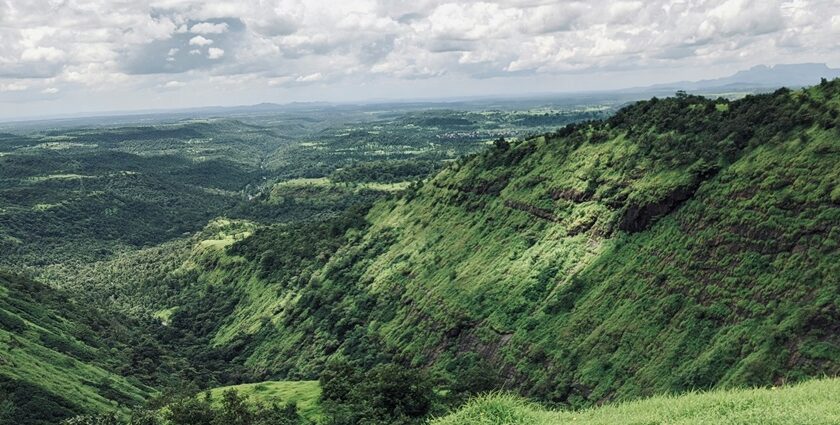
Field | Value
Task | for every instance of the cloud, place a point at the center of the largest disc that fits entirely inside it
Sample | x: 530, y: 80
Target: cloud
x: 173, y: 84
x: 200, y: 41
x: 50, y: 90
x: 209, y: 28
x: 745, y: 17
x: 289, y: 43
x: 311, y: 78
x: 215, y: 53
x: 37, y: 54
x: 8, y: 87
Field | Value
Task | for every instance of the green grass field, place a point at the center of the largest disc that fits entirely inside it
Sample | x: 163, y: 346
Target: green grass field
x: 303, y: 393
x: 813, y: 402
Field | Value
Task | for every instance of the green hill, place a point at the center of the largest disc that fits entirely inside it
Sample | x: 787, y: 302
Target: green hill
x: 684, y: 243
x: 811, y: 403
x: 56, y: 358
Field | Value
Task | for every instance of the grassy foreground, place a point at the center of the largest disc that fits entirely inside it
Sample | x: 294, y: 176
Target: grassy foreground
x: 813, y: 402
x: 303, y: 393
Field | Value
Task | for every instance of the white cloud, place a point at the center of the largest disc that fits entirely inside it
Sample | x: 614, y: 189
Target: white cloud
x: 50, y: 90
x: 99, y: 44
x: 14, y: 86
x: 215, y: 53
x: 279, y: 81
x: 311, y: 78
x: 36, y: 54
x: 200, y: 41
x: 607, y: 47
x: 209, y: 28
x: 173, y: 84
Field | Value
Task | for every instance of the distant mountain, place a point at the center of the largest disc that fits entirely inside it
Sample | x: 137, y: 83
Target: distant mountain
x: 762, y: 77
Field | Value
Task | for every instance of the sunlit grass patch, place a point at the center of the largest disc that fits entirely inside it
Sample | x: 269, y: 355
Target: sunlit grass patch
x: 303, y: 393
x: 813, y: 402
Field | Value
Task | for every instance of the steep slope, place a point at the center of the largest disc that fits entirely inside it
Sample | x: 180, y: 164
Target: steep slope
x: 53, y: 363
x: 683, y: 243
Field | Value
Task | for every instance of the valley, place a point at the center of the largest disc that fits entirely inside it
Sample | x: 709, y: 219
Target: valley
x: 372, y: 264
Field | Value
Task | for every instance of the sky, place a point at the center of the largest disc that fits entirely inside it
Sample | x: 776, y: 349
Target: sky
x: 76, y: 56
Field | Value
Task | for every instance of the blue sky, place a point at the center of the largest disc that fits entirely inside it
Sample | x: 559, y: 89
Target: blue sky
x: 71, y: 56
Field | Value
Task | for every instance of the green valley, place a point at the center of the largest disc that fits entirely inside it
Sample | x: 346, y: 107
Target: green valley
x: 437, y: 212
x: 354, y: 265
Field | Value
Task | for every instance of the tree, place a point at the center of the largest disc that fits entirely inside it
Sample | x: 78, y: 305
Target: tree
x: 501, y: 144
x: 7, y: 411
x: 338, y: 381
x: 234, y: 410
x: 144, y: 417
x: 191, y: 411
x: 397, y: 391
x: 286, y: 414
x: 386, y: 394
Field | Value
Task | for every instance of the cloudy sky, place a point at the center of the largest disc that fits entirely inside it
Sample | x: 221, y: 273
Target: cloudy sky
x: 70, y: 56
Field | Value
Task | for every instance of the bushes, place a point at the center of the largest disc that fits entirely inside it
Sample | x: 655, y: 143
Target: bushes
x: 11, y: 322
x: 385, y: 394
x: 232, y: 409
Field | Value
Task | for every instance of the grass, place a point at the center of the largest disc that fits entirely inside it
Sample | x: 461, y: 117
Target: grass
x: 165, y: 315
x: 303, y: 393
x: 324, y: 182
x: 321, y: 181
x: 814, y: 402
x: 222, y: 232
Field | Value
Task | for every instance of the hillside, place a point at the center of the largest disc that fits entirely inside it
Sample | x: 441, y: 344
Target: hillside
x: 684, y: 243
x: 811, y: 403
x: 56, y: 358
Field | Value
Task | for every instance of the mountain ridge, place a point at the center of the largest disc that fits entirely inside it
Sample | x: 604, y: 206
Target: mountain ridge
x: 523, y: 261
x: 761, y: 77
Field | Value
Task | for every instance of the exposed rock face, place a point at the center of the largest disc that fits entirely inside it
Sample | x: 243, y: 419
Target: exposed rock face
x: 530, y: 209
x: 571, y: 195
x: 640, y: 217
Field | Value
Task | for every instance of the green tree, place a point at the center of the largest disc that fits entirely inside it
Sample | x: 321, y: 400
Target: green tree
x: 234, y: 411
x: 286, y: 414
x: 386, y: 394
x: 338, y: 381
x: 144, y: 417
x: 7, y: 411
x: 191, y: 411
